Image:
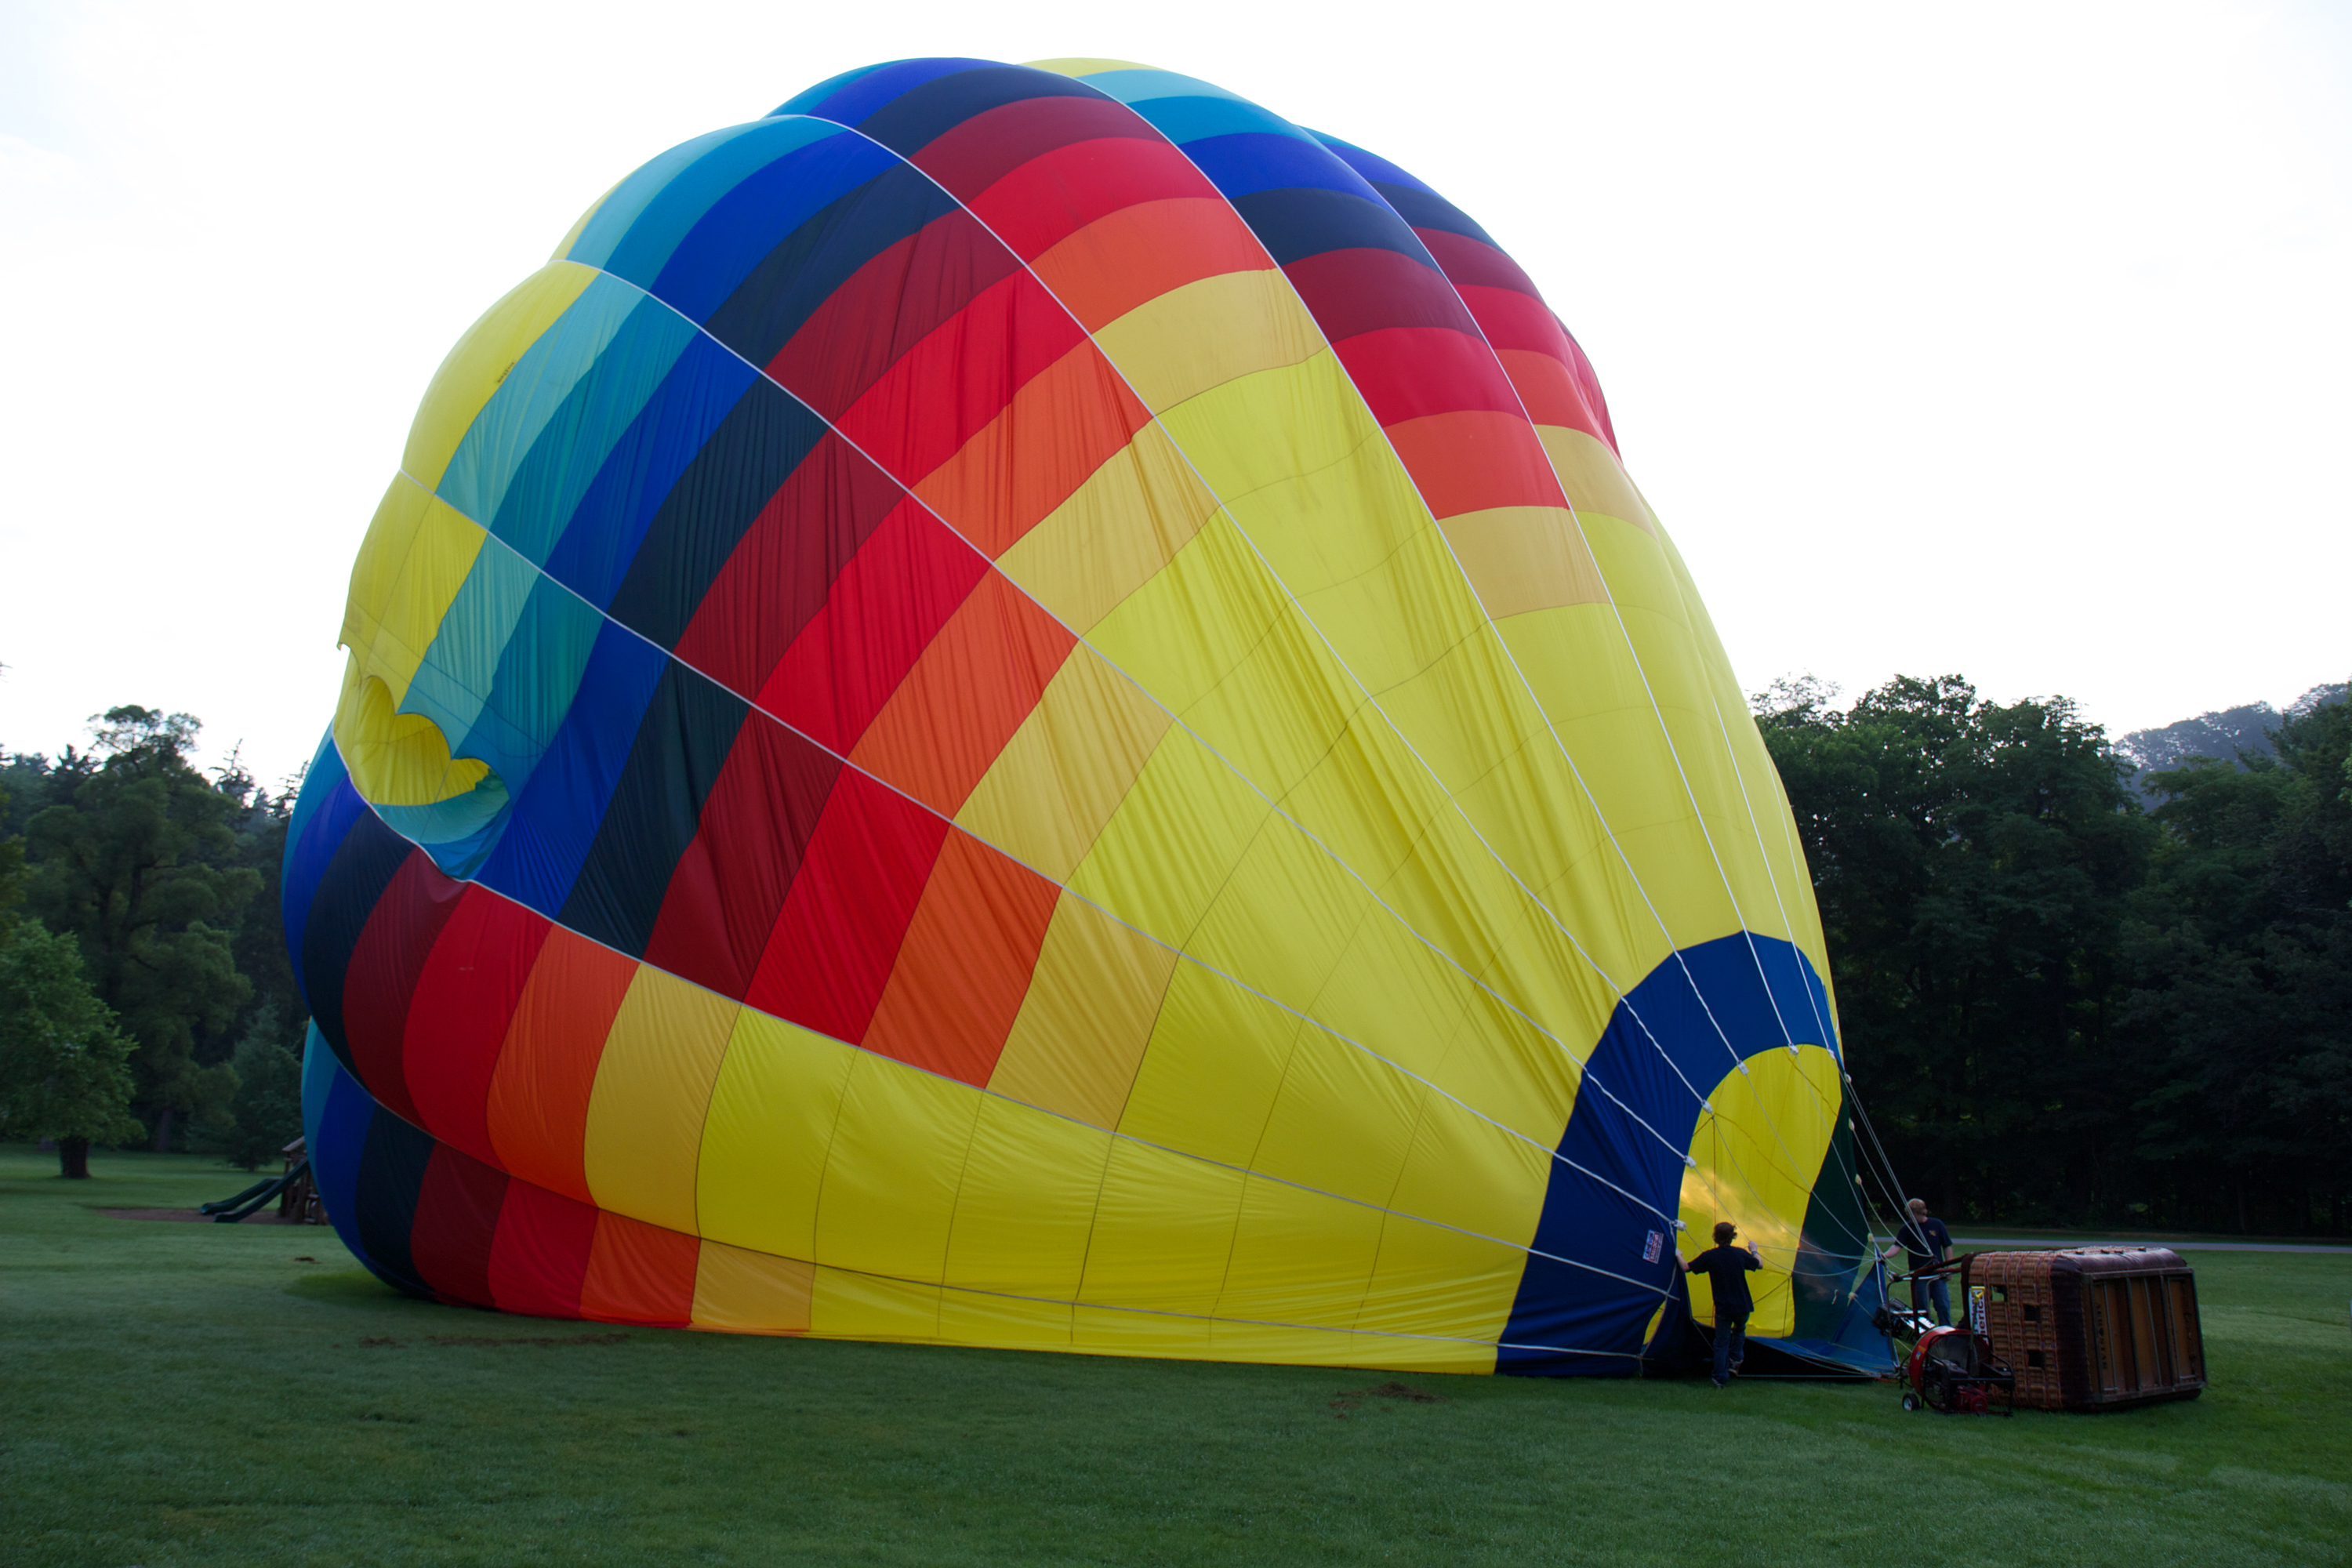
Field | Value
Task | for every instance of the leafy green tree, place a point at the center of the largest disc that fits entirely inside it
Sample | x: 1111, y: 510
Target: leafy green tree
x: 264, y: 1114
x: 1971, y: 861
x: 2240, y: 951
x: 135, y: 858
x: 64, y: 1071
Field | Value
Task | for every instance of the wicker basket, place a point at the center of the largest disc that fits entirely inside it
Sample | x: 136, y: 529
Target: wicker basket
x: 2090, y: 1327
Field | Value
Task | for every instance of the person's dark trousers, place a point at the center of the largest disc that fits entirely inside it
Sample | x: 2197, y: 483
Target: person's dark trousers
x: 1730, y: 1346
x: 1923, y: 1292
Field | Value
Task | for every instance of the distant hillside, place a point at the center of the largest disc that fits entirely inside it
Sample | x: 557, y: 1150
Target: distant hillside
x: 2221, y: 735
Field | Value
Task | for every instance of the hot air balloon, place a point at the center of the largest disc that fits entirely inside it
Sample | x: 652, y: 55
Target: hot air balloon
x: 1024, y: 706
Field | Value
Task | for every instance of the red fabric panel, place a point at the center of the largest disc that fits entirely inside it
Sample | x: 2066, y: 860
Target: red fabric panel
x: 839, y: 931
x: 1593, y: 399
x: 1057, y: 193
x: 1514, y: 321
x: 982, y: 675
x: 1362, y: 291
x: 724, y: 896
x: 974, y: 155
x: 964, y: 968
x: 1404, y: 373
x: 1549, y: 390
x: 381, y: 977
x: 1469, y: 262
x: 1139, y: 253
x: 639, y: 1273
x: 785, y: 563
x: 1067, y: 422
x: 942, y: 391
x: 1471, y: 460
x: 458, y: 1019
x: 456, y: 1224
x: 885, y: 607
x: 885, y: 308
x: 541, y: 1252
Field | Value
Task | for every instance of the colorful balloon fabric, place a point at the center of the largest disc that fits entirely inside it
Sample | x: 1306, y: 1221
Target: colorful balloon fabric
x: 1024, y: 706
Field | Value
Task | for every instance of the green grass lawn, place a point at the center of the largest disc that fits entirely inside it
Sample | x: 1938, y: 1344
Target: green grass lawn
x: 175, y: 1393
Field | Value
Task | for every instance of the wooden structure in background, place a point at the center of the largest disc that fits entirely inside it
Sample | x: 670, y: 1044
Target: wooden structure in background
x: 2090, y: 1327
x: 297, y: 1201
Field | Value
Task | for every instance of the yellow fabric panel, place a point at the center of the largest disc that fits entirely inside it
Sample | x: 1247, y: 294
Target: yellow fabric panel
x: 396, y: 759
x: 1368, y: 800
x: 739, y: 1291
x: 1759, y: 1149
x: 1429, y: 1280
x: 764, y: 1142
x: 1340, y: 1124
x: 847, y: 1305
x: 473, y: 369
x: 1299, y: 1258
x: 416, y: 556
x: 1279, y: 709
x: 1113, y: 534
x: 1212, y: 1071
x: 1522, y: 558
x: 1163, y: 1230
x: 1073, y: 759
x: 891, y: 1176
x: 1182, y: 632
x: 1499, y: 1065
x: 1463, y: 1172
x: 1269, y: 427
x: 1085, y: 1020
x: 1011, y: 1322
x: 1282, y: 918
x: 1027, y: 1204
x: 1172, y: 844
x: 1595, y: 481
x: 1075, y: 66
x: 1208, y: 333
x: 1388, y: 991
x: 1349, y: 509
x: 1110, y: 1331
x: 653, y: 1089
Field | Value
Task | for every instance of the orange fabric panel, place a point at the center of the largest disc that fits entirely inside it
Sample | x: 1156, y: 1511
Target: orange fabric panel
x: 1472, y: 460
x: 1064, y: 423
x: 965, y: 964
x: 639, y: 1273
x: 960, y: 705
x: 1548, y: 389
x: 538, y: 1092
x: 1139, y: 253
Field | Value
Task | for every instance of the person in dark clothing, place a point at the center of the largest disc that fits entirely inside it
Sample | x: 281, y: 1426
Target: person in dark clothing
x: 1925, y: 1243
x: 1726, y: 1268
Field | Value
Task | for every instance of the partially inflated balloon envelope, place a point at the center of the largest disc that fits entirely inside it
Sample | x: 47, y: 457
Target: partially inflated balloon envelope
x: 1025, y: 705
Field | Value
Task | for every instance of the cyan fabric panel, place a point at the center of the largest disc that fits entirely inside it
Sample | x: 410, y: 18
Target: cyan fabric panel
x: 687, y: 195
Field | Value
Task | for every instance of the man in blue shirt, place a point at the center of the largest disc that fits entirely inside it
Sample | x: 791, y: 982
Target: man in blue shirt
x: 1926, y: 1243
x: 1727, y: 1267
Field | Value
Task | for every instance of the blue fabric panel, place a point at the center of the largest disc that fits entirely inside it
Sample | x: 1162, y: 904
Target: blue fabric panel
x: 336, y: 1144
x: 503, y: 434
x: 322, y: 817
x: 706, y: 514
x: 1138, y: 87
x: 623, y: 205
x: 1376, y: 170
x: 392, y: 1173
x: 862, y: 92
x: 1296, y: 224
x: 537, y: 679
x: 454, y: 678
x: 557, y: 813
x: 828, y: 87
x: 1666, y: 1045
x: 653, y: 233
x: 914, y: 120
x: 1427, y: 209
x: 595, y: 551
x: 762, y: 210
x: 791, y: 280
x: 319, y: 1071
x: 689, y: 730
x: 571, y: 447
x: 1187, y: 118
x: 1253, y: 161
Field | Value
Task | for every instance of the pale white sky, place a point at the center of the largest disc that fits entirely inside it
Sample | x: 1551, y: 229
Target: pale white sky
x: 2007, y: 340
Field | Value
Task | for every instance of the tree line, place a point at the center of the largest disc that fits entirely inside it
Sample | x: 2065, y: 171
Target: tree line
x: 2067, y: 995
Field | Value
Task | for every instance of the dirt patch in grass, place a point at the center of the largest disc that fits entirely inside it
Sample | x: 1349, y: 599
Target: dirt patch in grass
x: 1392, y: 1390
